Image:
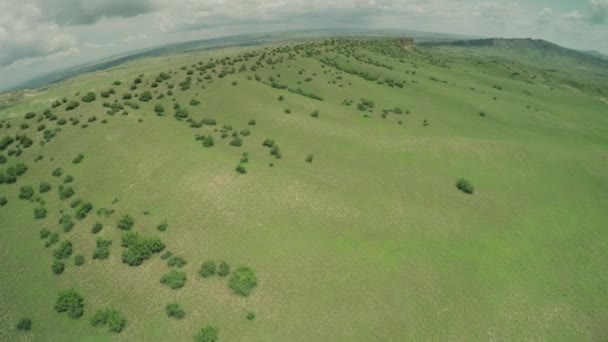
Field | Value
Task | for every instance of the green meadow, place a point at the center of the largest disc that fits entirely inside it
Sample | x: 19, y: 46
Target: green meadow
x: 329, y: 191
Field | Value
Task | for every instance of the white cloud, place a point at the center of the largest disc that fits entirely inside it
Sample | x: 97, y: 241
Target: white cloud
x: 131, y: 38
x: 545, y: 15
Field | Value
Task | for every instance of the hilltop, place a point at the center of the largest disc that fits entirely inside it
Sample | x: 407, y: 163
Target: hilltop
x: 331, y: 189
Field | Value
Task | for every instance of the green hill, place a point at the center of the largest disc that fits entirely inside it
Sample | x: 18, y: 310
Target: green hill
x: 336, y: 190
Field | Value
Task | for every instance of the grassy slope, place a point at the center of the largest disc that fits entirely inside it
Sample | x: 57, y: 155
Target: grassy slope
x: 369, y: 242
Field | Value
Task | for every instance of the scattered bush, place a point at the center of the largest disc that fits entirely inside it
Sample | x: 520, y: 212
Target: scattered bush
x: 125, y: 222
x: 309, y: 158
x: 30, y: 115
x: 174, y: 279
x: 39, y: 213
x: 57, y: 267
x: 281, y: 98
x: 53, y: 239
x: 26, y: 192
x: 3, y: 201
x: 79, y: 260
x: 208, y: 142
x: 71, y: 302
x: 71, y: 106
x: 252, y: 122
x: 139, y: 248
x: 44, y: 187
x: 25, y: 324
x: 173, y: 310
x: 64, y: 250
x: 78, y: 159
x: 236, y: 142
x: 145, y: 96
x: 207, y: 269
x: 315, y: 114
x: 65, y: 192
x: 223, y: 269
x: 113, y: 319
x: 83, y: 210
x: 97, y: 227
x: 241, y: 169
x: 207, y: 334
x: 287, y: 111
x: 251, y: 316
x: 57, y: 172
x: 242, y: 281
x: 268, y: 143
x: 102, y: 249
x: 68, y: 179
x: 89, y: 97
x: 127, y: 96
x: 465, y: 186
x: 176, y: 261
x: 159, y: 109
x: 44, y: 233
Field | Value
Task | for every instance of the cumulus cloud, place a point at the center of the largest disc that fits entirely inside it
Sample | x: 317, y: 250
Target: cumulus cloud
x: 599, y: 11
x: 131, y: 38
x: 86, y: 12
x: 545, y: 15
x: 25, y: 34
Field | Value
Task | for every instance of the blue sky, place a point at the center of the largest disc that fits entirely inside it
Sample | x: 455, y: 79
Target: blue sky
x: 38, y: 36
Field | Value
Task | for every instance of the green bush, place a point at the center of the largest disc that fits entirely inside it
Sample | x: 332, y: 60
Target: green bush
x: 281, y: 98
x: 173, y: 310
x: 26, y: 192
x: 57, y: 267
x: 25, y: 324
x: 71, y: 106
x: 114, y: 320
x: 242, y: 281
x: 208, y: 142
x: 174, y: 279
x: 162, y: 227
x: 71, y: 302
x: 64, y: 250
x: 83, y: 210
x: 97, y: 227
x: 223, y: 269
x: 78, y: 159
x: 53, y: 239
x: 57, y: 172
x: 79, y: 260
x: 3, y: 201
x: 251, y: 122
x: 268, y: 143
x: 251, y: 316
x: 3, y: 159
x: 315, y: 114
x: 309, y: 158
x: 145, y: 96
x: 44, y: 233
x: 39, y: 213
x: 44, y: 187
x: 241, y: 169
x: 125, y: 222
x: 166, y: 255
x: 127, y: 96
x: 207, y: 269
x: 236, y: 142
x: 65, y: 192
x: 102, y: 249
x: 30, y: 115
x: 89, y: 97
x: 68, y: 179
x: 176, y: 261
x: 465, y: 186
x: 139, y: 248
x: 66, y: 221
x: 207, y: 334
x: 159, y: 109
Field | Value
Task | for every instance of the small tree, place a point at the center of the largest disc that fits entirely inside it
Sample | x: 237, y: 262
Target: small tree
x: 125, y: 222
x: 242, y: 281
x: 79, y: 260
x: 208, y: 142
x: 162, y: 227
x: 44, y: 187
x: 145, y: 96
x: 96, y: 227
x: 309, y: 158
x: 39, y: 213
x: 57, y: 267
x: 89, y: 97
x: 114, y: 320
x: 465, y: 186
x: 26, y: 192
x: 223, y: 269
x: 174, y: 279
x: 207, y: 334
x: 25, y: 324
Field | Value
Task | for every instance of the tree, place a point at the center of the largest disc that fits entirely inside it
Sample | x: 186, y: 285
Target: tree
x: 111, y: 318
x: 174, y: 279
x: 125, y: 222
x: 89, y: 97
x: 71, y: 302
x: 208, y: 142
x: 465, y: 186
x: 57, y: 267
x: 25, y: 324
x: 44, y: 187
x: 242, y: 281
x: 207, y: 334
x: 309, y: 158
x: 223, y: 269
x: 26, y: 192
x: 64, y: 250
x: 145, y: 96
x: 79, y: 260
x: 139, y: 248
x: 39, y: 213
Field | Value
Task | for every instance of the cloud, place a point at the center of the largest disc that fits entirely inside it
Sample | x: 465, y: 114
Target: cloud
x: 599, y: 11
x: 131, y: 38
x: 24, y: 34
x: 86, y: 12
x: 545, y: 16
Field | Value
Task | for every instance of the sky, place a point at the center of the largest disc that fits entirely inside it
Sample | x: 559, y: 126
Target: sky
x: 40, y: 36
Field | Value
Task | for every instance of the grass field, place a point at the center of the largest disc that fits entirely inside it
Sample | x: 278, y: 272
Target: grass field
x: 371, y: 241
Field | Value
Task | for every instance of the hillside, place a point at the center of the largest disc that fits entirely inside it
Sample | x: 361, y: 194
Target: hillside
x: 307, y: 191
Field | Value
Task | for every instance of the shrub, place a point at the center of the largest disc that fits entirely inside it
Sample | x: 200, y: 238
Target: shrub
x: 71, y: 106
x: 159, y: 109
x: 166, y: 255
x: 236, y: 142
x: 83, y: 210
x: 268, y: 143
x: 276, y: 152
x: 162, y: 227
x: 207, y: 269
x: 57, y: 267
x: 242, y: 281
x: 174, y: 279
x: 3, y: 159
x: 181, y: 114
x: 176, y: 261
x: 309, y: 158
x: 57, y: 172
x: 173, y: 310
x: 39, y: 213
x: 25, y: 324
x: 287, y: 111
x: 71, y: 302
x: 127, y: 96
x: 102, y: 250
x: 145, y: 96
x: 251, y: 316
x: 194, y: 102
x: 26, y: 192
x: 139, y: 248
x: 223, y: 269
x: 30, y: 115
x: 89, y: 97
x: 44, y: 233
x: 281, y: 98
x: 96, y: 227
x: 66, y: 221
x: 65, y: 192
x: 315, y: 114
x: 64, y: 250
x: 465, y: 186
x: 68, y: 179
x: 44, y: 187
x: 208, y: 142
x: 241, y: 169
x: 113, y: 319
x: 125, y: 222
x: 79, y: 260
x: 53, y: 239
x: 3, y: 201
x: 19, y: 169
x: 78, y: 159
x: 425, y: 122
x: 207, y: 334
x: 252, y: 122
